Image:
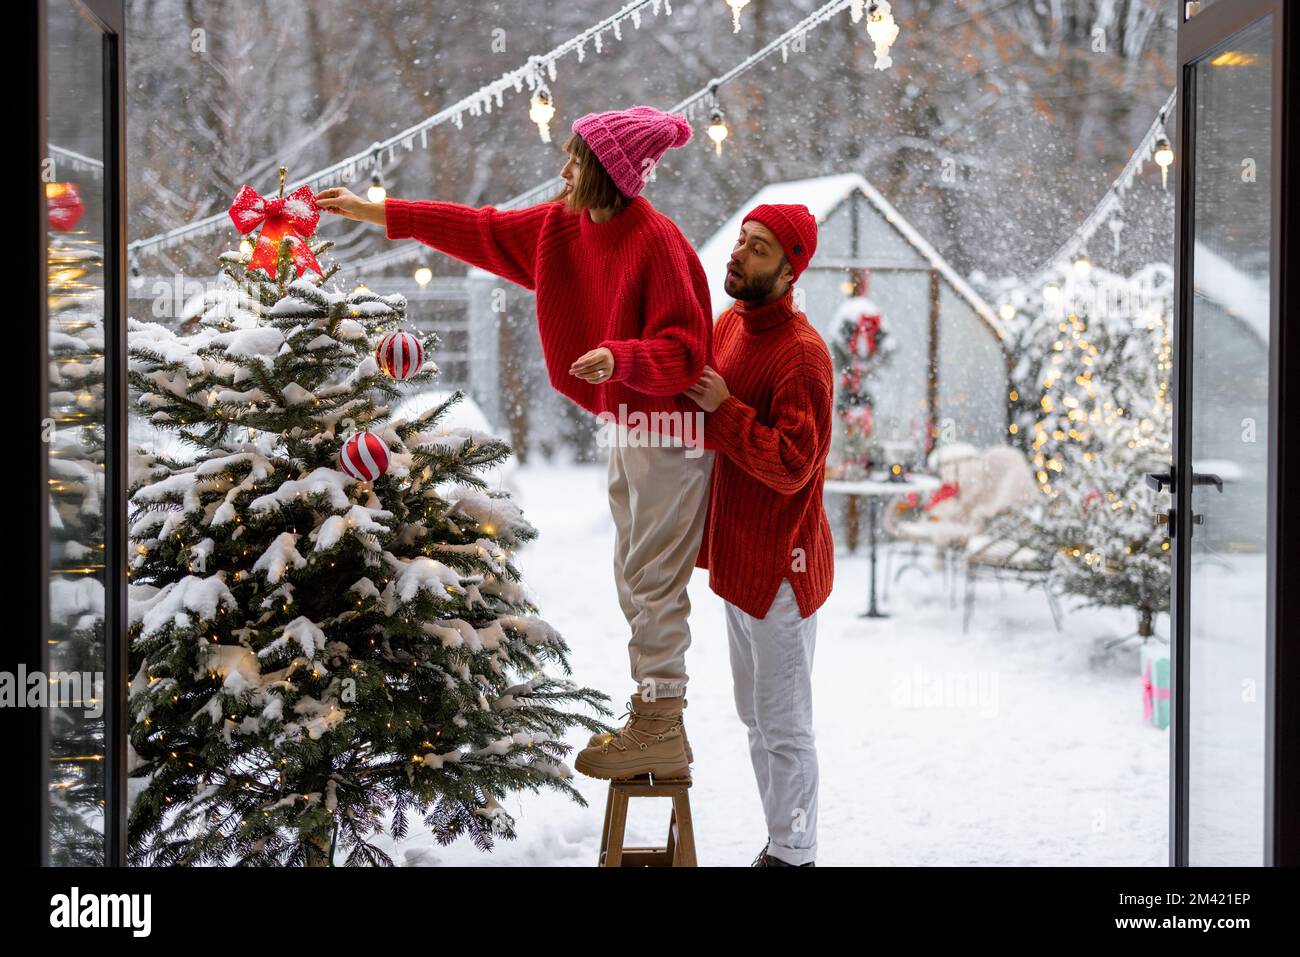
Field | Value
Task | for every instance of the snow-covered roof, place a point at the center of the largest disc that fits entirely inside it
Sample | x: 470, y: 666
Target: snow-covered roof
x: 822, y: 194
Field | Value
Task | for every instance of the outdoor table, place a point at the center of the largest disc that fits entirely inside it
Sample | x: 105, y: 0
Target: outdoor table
x: 876, y: 490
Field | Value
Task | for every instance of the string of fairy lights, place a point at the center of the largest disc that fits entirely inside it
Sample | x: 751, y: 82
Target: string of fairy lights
x: 881, y: 29
x: 1072, y: 260
x: 535, y: 73
x: 1154, y: 146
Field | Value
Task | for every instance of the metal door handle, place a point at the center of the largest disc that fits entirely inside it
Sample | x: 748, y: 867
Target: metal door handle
x: 1205, y: 478
x: 1160, y: 480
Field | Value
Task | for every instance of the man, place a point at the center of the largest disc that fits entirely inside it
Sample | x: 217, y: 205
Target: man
x: 766, y: 541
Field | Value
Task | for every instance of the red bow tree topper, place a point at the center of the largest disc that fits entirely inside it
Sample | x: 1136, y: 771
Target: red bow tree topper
x: 295, y: 216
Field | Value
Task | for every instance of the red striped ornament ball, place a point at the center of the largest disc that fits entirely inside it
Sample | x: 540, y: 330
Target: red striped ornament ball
x: 364, y: 456
x: 400, y: 355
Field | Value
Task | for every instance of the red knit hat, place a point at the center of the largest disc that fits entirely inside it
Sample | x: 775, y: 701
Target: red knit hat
x: 623, y: 140
x: 794, y: 228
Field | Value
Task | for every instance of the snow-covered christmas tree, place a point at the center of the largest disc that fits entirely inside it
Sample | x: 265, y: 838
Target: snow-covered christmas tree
x: 327, y: 624
x: 1091, y: 404
x: 1091, y: 345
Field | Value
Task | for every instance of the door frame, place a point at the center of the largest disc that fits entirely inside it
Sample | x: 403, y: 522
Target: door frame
x: 1197, y: 36
x: 110, y: 18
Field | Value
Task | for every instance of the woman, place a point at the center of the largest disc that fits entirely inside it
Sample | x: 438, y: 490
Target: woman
x: 625, y: 323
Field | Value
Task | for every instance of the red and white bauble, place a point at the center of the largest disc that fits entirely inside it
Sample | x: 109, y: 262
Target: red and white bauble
x: 364, y: 456
x: 400, y: 355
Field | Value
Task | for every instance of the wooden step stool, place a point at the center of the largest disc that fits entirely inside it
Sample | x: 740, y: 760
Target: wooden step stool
x: 679, y: 851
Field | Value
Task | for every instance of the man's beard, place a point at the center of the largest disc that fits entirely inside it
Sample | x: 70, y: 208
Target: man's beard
x: 758, y: 288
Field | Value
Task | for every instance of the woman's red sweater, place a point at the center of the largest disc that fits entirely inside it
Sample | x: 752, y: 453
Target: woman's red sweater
x: 766, y: 521
x: 632, y: 284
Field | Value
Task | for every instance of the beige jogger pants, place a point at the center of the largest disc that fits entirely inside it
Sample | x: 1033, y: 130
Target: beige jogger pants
x: 657, y: 496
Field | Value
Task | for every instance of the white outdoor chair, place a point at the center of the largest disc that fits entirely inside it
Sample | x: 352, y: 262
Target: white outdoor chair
x: 948, y: 526
x: 998, y: 551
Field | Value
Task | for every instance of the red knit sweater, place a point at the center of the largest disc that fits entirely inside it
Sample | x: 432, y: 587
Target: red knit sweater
x: 765, y: 521
x: 632, y: 284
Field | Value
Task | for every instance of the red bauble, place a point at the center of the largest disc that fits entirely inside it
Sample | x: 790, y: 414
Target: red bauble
x: 64, y: 206
x: 364, y: 456
x: 400, y: 355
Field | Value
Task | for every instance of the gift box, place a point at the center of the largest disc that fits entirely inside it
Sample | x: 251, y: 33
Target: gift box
x: 1153, y: 658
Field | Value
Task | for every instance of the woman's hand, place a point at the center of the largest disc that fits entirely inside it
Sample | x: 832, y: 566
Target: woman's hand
x: 595, y: 366
x: 343, y: 202
x: 710, y: 392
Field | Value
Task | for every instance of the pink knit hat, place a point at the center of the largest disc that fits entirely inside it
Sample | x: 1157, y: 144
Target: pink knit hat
x: 623, y: 140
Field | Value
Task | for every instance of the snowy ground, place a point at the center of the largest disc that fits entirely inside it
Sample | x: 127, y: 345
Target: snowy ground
x: 1049, y: 763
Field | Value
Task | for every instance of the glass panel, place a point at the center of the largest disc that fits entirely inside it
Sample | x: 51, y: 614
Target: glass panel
x: 1229, y: 445
x: 74, y: 432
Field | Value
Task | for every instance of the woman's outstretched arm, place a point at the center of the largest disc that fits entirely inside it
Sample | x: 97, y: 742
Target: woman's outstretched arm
x: 504, y: 242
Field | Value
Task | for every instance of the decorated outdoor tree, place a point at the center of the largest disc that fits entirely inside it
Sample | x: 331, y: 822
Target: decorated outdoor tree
x: 860, y: 347
x: 75, y: 436
x: 327, y: 623
x: 1109, y: 550
x: 1096, y: 359
x: 1092, y: 345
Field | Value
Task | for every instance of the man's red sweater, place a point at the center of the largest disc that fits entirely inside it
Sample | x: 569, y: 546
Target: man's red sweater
x: 633, y: 284
x: 765, y: 521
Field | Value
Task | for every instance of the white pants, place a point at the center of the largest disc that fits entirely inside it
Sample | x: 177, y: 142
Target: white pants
x: 658, y: 496
x: 771, y: 668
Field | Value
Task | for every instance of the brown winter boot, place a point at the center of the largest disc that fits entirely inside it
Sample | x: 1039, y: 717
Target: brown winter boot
x: 605, y: 737
x: 650, y: 743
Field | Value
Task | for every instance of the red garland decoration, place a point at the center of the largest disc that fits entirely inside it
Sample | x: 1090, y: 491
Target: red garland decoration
x: 859, y: 420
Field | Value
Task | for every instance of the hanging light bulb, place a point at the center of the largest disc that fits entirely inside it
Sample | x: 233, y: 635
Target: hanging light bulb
x: 717, y: 129
x: 1007, y: 311
x: 883, y: 31
x: 1164, y: 157
x: 423, y: 275
x: 541, y: 111
x: 1082, y: 264
x: 361, y: 288
x: 736, y: 7
x: 1051, y: 292
x: 246, y: 247
x: 376, y: 193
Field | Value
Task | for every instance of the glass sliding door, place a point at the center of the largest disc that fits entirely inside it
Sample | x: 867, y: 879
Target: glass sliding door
x: 1226, y: 433
x: 1228, y: 583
